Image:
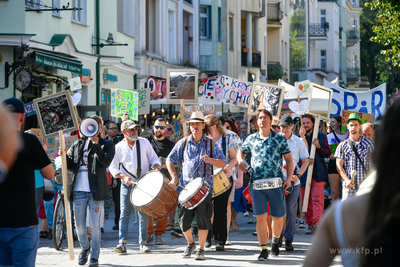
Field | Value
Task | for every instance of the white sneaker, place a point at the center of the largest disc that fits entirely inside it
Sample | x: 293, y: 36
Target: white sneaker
x: 144, y: 248
x: 228, y: 243
x: 246, y: 214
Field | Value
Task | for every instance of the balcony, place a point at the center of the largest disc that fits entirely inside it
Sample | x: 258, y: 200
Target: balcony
x: 352, y: 73
x: 318, y: 31
x: 256, y: 60
x: 274, y: 13
x: 352, y: 37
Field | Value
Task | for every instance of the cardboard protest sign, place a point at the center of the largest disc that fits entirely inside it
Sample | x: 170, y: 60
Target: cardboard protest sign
x: 320, y: 101
x: 266, y: 96
x: 144, y: 101
x: 365, y: 117
x: 182, y: 84
x: 209, y: 89
x: 208, y: 109
x: 124, y: 102
x: 234, y: 91
x: 303, y: 88
x: 158, y: 88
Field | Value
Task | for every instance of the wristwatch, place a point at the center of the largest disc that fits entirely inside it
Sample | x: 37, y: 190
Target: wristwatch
x: 319, y: 147
x: 298, y: 175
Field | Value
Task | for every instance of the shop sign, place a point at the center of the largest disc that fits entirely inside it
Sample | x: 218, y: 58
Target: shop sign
x: 109, y: 77
x: 57, y: 63
x: 85, y: 79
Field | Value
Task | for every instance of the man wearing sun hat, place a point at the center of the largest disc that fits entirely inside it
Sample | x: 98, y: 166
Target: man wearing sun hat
x: 353, y: 154
x: 193, y: 151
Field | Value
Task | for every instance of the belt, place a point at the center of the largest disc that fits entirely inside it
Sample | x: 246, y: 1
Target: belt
x: 267, y: 183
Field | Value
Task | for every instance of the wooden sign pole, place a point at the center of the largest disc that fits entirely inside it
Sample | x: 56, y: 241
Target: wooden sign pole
x: 67, y: 204
x: 310, y: 167
x: 301, y: 119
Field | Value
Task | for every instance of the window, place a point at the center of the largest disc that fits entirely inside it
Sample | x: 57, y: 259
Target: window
x: 323, y: 18
x: 354, y: 61
x: 33, y: 4
x: 353, y: 24
x: 219, y: 24
x: 79, y: 16
x: 231, y: 32
x: 125, y: 22
x: 56, y: 4
x: 323, y: 60
x: 205, y: 22
x: 188, y: 1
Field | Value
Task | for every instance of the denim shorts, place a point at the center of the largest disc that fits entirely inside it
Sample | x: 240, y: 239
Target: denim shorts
x: 204, y: 213
x: 275, y: 197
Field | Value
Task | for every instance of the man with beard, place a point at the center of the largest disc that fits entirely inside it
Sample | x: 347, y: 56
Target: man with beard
x: 194, y: 151
x: 253, y: 124
x: 267, y: 149
x: 112, y: 136
x: 354, y: 154
x: 162, y: 146
x: 319, y: 174
x: 126, y: 155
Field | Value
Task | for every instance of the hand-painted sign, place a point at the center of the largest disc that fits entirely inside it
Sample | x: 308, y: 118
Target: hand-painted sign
x: 157, y: 87
x: 144, y: 101
x: 29, y: 109
x: 208, y: 109
x: 124, y: 102
x: 365, y: 117
x: 372, y: 101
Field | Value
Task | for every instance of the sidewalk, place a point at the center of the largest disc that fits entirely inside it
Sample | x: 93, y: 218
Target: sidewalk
x: 243, y: 251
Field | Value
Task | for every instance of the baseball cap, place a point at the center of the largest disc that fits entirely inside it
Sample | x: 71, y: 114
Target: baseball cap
x: 286, y: 120
x: 239, y: 115
x: 14, y: 105
x: 253, y: 118
x: 354, y: 116
x: 129, y: 124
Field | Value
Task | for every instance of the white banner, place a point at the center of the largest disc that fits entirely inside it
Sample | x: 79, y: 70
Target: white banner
x: 372, y: 101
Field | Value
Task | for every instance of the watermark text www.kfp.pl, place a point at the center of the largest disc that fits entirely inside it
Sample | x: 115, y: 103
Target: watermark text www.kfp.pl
x: 357, y: 250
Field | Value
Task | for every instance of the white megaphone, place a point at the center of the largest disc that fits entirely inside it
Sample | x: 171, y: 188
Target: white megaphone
x: 90, y: 127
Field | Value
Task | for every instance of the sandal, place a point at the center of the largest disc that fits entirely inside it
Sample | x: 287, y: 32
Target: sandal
x: 169, y: 227
x: 235, y: 227
x: 44, y: 234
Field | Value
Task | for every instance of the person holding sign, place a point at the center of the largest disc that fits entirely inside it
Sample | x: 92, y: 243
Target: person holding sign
x: 88, y: 159
x: 197, y: 155
x: 353, y: 155
x: 267, y: 148
x: 319, y: 174
x: 334, y: 138
x: 19, y: 239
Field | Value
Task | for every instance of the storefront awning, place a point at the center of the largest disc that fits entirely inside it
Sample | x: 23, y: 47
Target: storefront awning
x: 57, y: 62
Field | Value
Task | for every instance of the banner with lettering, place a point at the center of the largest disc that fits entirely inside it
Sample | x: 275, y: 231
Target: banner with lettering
x: 158, y: 87
x: 124, y: 102
x: 208, y: 109
x: 372, y: 101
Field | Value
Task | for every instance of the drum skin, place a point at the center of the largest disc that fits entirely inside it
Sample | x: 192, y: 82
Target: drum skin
x: 163, y: 203
x: 221, y: 182
x: 197, y: 191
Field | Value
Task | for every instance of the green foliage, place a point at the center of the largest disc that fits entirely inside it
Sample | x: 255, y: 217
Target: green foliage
x: 274, y: 71
x: 387, y: 28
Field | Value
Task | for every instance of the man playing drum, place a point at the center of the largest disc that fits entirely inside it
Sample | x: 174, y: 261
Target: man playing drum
x: 125, y: 167
x: 267, y: 148
x: 162, y: 146
x: 194, y: 151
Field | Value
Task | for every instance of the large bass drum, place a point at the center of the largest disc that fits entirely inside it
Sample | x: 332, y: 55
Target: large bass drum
x: 153, y: 196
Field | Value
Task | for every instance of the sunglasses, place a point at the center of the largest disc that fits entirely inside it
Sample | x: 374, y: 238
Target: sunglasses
x: 169, y: 129
x: 159, y: 127
x: 275, y: 127
x: 136, y: 129
x: 228, y: 127
x: 113, y: 129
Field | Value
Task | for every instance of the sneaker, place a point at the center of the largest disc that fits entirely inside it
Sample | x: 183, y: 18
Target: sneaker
x: 189, y: 250
x: 289, y: 246
x: 102, y: 230
x: 275, y: 249
x: 251, y: 220
x: 144, y: 248
x: 263, y: 255
x: 158, y: 240
x: 195, y: 231
x: 246, y: 214
x: 302, y: 224
x: 309, y: 230
x: 280, y: 241
x: 83, y: 256
x: 228, y: 243
x: 177, y: 233
x: 121, y: 248
x: 199, y: 255
x: 219, y: 247
x: 150, y: 239
x: 115, y: 227
x: 94, y: 262
x: 255, y: 233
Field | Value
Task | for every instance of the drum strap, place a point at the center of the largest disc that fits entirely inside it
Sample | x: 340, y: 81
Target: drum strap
x: 139, y: 166
x: 211, y: 150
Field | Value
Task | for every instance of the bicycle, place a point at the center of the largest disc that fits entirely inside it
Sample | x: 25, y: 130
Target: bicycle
x: 59, y: 222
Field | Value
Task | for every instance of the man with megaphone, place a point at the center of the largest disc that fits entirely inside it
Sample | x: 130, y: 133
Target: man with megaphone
x: 88, y: 158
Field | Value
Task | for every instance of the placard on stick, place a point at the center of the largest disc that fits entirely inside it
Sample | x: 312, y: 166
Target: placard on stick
x: 320, y: 101
x: 365, y: 117
x: 124, y: 102
x: 208, y: 109
x: 266, y: 96
x: 182, y: 84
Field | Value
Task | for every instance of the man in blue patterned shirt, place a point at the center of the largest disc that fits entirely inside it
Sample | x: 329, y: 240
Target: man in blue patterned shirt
x: 267, y: 148
x: 346, y: 159
x: 197, y: 149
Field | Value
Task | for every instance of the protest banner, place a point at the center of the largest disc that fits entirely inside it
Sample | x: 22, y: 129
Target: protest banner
x: 158, y: 87
x: 207, y: 109
x: 144, y: 101
x: 365, y: 117
x: 266, y: 96
x: 124, y: 102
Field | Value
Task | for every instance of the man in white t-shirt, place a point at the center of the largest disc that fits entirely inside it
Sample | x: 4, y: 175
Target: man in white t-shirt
x: 125, y: 167
x: 299, y: 152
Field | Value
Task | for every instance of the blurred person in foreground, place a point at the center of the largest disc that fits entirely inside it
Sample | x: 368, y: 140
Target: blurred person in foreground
x: 366, y: 226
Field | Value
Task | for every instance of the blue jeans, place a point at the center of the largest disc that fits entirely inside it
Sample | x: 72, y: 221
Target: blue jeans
x: 291, y: 203
x: 81, y: 201
x: 126, y: 210
x: 18, y: 246
x: 48, y: 205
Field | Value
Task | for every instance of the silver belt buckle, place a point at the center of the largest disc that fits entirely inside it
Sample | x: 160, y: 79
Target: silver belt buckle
x: 268, y: 183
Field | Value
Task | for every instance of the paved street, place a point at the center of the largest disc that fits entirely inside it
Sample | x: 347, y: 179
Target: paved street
x: 244, y: 250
